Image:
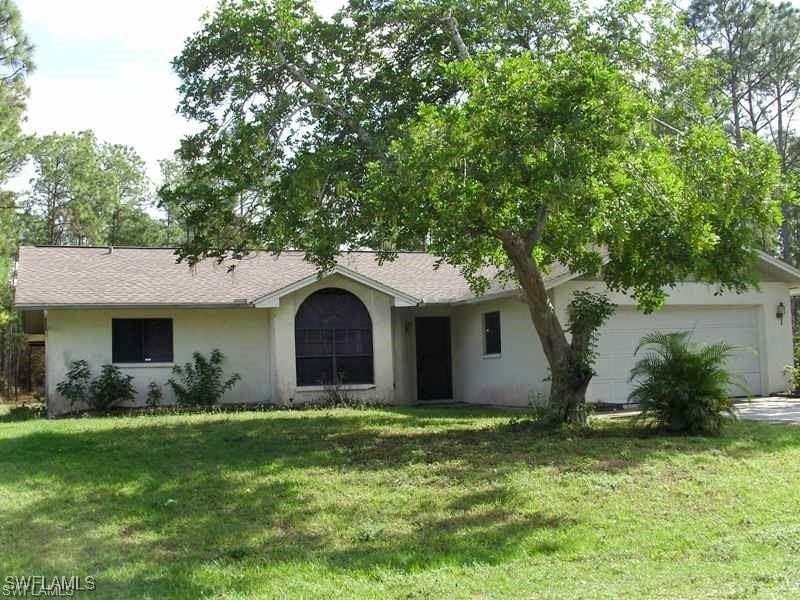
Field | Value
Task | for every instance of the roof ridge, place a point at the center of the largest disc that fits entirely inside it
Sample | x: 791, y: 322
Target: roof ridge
x: 252, y: 250
x: 97, y: 247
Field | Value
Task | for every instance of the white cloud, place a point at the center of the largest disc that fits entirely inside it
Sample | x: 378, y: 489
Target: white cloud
x: 141, y: 24
x: 136, y: 108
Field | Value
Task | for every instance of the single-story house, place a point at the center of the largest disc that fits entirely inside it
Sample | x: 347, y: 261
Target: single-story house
x: 400, y: 332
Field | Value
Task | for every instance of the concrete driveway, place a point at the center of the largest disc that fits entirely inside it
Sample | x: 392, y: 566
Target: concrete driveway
x: 775, y: 410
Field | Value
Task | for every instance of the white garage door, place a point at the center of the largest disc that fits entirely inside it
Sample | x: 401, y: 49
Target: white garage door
x: 620, y: 336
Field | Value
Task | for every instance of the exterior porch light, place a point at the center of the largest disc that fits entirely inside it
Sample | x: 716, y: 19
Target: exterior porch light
x: 780, y: 312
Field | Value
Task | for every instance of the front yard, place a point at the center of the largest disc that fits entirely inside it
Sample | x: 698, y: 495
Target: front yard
x: 398, y: 503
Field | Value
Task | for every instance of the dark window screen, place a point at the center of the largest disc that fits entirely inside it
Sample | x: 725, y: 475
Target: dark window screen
x: 333, y: 339
x: 141, y: 340
x: 491, y: 333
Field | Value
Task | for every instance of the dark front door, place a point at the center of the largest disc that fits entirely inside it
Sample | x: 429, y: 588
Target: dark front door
x: 434, y: 369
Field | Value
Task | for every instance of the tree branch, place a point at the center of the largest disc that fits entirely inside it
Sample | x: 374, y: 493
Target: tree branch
x: 328, y: 103
x: 667, y: 125
x: 534, y: 235
x: 451, y: 26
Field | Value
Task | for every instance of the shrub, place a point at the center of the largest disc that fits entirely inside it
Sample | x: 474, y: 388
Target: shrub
x: 792, y: 376
x: 683, y: 387
x: 75, y: 387
x: 201, y: 383
x: 792, y: 372
x: 796, y: 349
x: 586, y: 312
x: 154, y: 395
x: 110, y: 389
x: 336, y: 396
x: 25, y: 412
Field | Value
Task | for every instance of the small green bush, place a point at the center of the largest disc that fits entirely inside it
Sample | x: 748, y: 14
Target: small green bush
x: 75, y: 388
x: 201, y: 383
x: 110, y: 389
x: 792, y: 375
x: 336, y: 396
x: 683, y: 387
x: 24, y: 412
x: 796, y: 350
x: 792, y: 372
x: 154, y: 395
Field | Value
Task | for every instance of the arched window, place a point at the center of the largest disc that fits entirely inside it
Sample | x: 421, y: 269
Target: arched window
x: 333, y: 339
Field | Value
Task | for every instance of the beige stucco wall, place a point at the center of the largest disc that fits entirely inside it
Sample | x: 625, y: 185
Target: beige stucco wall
x: 283, y: 370
x: 521, y: 370
x: 241, y: 334
x: 775, y: 338
x: 405, y: 370
x: 259, y: 344
x: 510, y: 379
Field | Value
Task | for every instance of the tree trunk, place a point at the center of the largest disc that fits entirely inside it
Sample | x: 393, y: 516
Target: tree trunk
x: 567, y: 386
x: 737, y: 126
x: 114, y: 226
x: 786, y: 231
x: 786, y: 235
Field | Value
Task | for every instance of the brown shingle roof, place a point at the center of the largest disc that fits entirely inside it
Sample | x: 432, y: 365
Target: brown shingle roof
x: 75, y: 276
x: 95, y: 276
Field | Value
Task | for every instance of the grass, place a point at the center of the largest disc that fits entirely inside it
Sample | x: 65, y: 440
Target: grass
x: 398, y: 503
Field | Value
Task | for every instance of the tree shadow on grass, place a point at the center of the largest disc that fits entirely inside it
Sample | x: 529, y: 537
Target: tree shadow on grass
x: 349, y: 440
x: 149, y: 501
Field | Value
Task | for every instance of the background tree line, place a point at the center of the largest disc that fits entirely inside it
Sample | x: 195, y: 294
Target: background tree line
x: 755, y: 46
x: 82, y: 191
x: 87, y: 192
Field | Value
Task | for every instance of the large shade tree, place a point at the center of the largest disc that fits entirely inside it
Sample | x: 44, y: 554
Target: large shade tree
x: 500, y: 136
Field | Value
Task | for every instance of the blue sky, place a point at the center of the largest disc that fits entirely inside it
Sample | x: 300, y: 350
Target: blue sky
x: 105, y: 65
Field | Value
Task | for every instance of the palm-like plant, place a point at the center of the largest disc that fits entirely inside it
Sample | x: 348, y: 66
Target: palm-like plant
x: 684, y: 387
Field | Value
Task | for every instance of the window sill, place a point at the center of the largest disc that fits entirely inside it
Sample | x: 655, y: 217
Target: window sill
x: 145, y: 365
x: 352, y: 387
x: 492, y: 356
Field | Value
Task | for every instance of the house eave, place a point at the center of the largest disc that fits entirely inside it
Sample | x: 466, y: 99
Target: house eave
x: 553, y: 283
x: 509, y: 293
x: 128, y: 306
x: 487, y: 297
x: 784, y: 267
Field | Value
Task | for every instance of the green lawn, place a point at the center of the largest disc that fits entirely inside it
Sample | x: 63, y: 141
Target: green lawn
x: 398, y: 503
